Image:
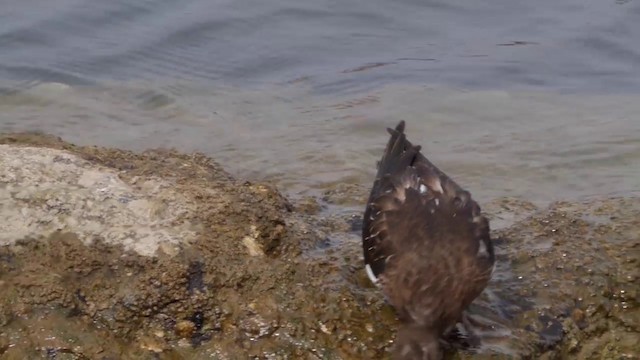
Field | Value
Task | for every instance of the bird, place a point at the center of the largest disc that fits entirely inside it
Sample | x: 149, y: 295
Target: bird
x: 426, y: 244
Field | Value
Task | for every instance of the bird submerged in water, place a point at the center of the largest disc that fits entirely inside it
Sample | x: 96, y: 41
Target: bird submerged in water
x: 426, y: 244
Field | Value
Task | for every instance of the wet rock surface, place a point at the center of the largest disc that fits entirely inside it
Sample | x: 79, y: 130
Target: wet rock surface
x: 108, y: 254
x: 579, y: 267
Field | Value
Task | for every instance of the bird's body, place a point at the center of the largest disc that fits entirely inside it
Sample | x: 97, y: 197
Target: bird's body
x: 426, y: 244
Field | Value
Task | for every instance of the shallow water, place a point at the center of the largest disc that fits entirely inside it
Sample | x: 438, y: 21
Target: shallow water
x: 509, y: 97
x: 535, y: 145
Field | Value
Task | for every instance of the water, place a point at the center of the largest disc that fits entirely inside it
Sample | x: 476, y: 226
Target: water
x: 538, y: 100
x: 572, y: 45
x: 511, y: 98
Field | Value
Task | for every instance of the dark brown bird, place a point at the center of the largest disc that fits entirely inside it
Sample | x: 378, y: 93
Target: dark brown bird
x: 426, y: 244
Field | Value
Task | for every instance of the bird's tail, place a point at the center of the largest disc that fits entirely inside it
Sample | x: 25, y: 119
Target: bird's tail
x: 399, y: 153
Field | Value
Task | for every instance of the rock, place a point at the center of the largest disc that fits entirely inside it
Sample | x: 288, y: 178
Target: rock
x: 308, y: 205
x: 48, y: 190
x: 185, y: 329
x: 158, y: 240
x: 132, y: 254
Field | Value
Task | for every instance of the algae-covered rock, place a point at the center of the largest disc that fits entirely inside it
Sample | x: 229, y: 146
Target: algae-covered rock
x: 108, y: 254
x: 169, y: 255
x: 579, y: 267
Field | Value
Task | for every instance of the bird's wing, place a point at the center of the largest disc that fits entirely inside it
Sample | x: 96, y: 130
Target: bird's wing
x: 413, y: 203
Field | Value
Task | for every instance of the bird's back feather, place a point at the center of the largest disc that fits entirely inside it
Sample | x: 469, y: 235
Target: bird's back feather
x: 424, y: 237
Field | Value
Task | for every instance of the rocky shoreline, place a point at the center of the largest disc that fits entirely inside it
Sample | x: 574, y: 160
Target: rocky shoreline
x: 109, y: 254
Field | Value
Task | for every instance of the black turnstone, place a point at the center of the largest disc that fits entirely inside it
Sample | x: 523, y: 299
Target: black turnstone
x: 426, y: 244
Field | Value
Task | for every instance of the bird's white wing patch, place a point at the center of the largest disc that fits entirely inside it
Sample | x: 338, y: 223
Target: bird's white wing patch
x: 371, y: 275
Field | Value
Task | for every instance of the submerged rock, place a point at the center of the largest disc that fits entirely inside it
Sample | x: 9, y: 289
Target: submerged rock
x: 109, y: 254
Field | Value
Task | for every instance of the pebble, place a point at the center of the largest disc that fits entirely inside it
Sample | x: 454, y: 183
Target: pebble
x: 577, y: 315
x: 185, y: 329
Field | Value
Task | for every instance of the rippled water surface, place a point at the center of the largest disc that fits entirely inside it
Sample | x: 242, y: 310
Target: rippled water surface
x: 533, y: 99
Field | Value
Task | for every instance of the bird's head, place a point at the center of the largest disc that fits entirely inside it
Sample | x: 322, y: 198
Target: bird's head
x: 417, y: 343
